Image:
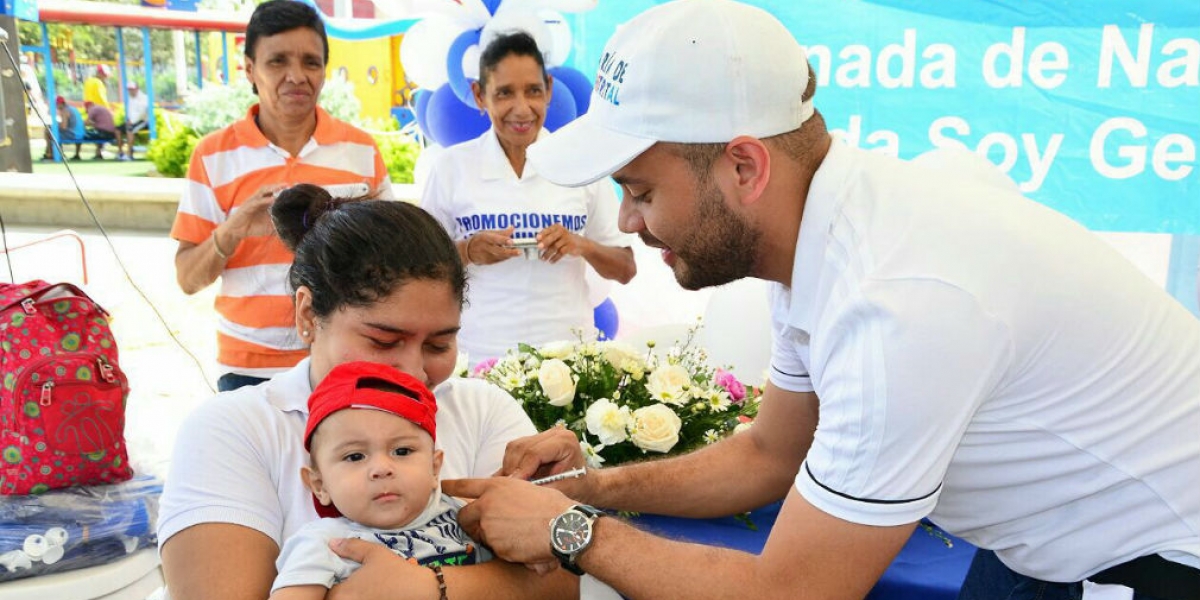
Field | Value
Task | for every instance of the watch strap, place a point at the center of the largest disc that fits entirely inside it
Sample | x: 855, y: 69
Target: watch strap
x: 568, y: 560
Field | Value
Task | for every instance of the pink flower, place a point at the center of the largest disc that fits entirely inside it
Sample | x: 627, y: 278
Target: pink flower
x: 483, y: 367
x: 725, y: 379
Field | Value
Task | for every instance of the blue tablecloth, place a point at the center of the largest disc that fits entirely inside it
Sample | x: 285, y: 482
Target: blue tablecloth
x: 924, y: 570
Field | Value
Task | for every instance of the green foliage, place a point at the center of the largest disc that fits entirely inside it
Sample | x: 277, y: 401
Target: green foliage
x: 215, y: 106
x: 338, y: 99
x: 399, y: 151
x: 399, y: 154
x: 172, y: 151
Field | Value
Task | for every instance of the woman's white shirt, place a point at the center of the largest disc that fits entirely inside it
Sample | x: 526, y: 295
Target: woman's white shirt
x: 472, y: 187
x: 237, y: 457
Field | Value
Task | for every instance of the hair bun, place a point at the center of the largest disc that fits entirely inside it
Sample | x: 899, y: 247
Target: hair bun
x: 297, y: 209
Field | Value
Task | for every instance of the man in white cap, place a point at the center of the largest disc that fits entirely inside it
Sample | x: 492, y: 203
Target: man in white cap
x: 135, y: 120
x: 943, y: 348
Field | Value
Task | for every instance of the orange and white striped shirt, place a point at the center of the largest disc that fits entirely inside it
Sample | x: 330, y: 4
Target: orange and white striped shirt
x: 256, y: 332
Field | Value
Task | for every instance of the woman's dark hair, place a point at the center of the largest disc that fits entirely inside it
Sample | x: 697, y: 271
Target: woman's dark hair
x: 514, y: 43
x: 354, y: 252
x: 277, y: 16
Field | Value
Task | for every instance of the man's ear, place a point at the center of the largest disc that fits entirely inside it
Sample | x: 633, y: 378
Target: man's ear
x: 752, y: 164
x: 312, y: 480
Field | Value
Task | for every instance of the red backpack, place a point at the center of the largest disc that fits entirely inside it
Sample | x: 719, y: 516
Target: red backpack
x: 62, y: 402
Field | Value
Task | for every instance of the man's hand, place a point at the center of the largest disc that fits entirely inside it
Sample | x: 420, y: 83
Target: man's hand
x: 252, y: 217
x: 556, y: 242
x: 491, y: 246
x: 550, y: 452
x: 511, y: 516
x: 384, y: 574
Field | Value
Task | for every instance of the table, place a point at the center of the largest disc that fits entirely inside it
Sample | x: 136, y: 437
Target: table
x: 925, y: 569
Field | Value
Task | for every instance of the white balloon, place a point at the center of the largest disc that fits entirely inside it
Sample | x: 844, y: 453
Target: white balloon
x: 559, y: 47
x: 424, y: 49
x: 511, y: 21
x: 471, y: 62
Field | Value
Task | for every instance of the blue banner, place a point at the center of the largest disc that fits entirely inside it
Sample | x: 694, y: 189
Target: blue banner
x: 1093, y: 108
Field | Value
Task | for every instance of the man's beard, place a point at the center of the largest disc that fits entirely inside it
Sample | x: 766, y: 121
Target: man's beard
x: 721, y: 249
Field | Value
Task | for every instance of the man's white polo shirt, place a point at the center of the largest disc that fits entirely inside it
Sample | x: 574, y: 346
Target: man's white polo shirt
x: 985, y: 361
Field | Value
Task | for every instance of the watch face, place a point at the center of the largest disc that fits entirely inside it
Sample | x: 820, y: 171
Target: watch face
x: 571, y: 532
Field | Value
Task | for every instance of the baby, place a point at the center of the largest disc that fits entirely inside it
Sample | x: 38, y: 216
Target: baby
x: 374, y: 476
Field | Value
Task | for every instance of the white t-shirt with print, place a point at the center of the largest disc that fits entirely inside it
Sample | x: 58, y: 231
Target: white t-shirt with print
x: 472, y: 187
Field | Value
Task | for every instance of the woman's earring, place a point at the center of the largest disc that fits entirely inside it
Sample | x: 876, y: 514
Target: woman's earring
x: 304, y: 334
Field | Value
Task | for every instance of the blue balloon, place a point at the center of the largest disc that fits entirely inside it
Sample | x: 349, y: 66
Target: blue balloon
x: 578, y: 83
x: 562, y: 107
x: 452, y: 122
x: 420, y: 103
x: 454, y: 70
x: 606, y: 319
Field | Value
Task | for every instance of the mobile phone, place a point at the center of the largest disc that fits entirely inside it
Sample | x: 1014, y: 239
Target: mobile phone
x: 527, y: 246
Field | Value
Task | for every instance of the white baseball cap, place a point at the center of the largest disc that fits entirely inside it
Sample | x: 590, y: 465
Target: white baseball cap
x: 690, y: 71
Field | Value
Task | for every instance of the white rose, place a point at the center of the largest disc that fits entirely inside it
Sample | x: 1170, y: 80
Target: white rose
x: 670, y: 384
x: 608, y: 421
x: 623, y: 356
x: 656, y: 428
x: 555, y: 378
x: 557, y: 350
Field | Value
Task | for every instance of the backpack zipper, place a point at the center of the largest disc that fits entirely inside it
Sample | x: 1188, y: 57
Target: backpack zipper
x: 106, y: 370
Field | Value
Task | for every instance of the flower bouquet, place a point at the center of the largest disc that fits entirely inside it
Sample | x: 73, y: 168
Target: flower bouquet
x: 624, y: 403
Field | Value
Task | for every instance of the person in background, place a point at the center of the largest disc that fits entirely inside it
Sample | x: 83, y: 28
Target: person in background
x: 375, y: 281
x: 135, y: 120
x: 224, y: 224
x: 29, y: 79
x: 67, y: 121
x: 373, y: 472
x: 489, y: 198
x: 942, y: 347
x: 98, y: 127
x: 95, y: 88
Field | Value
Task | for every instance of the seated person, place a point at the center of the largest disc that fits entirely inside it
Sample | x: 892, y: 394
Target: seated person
x: 373, y: 474
x: 135, y: 121
x: 66, y: 127
x: 98, y: 127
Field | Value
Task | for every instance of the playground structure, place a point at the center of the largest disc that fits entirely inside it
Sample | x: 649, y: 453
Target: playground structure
x: 367, y: 57
x: 122, y: 17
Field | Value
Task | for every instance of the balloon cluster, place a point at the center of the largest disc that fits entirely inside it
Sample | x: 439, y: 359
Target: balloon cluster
x: 440, y: 54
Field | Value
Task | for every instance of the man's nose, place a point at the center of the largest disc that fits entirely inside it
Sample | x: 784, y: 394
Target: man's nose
x: 629, y: 219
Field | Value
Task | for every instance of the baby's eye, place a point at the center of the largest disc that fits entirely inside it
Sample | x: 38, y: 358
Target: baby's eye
x: 353, y: 457
x: 402, y: 451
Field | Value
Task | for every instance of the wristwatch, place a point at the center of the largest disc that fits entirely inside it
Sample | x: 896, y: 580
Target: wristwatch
x: 571, y: 534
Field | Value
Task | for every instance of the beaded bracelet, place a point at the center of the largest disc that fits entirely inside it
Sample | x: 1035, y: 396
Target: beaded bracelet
x: 441, y: 581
